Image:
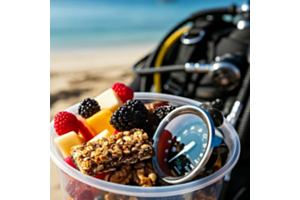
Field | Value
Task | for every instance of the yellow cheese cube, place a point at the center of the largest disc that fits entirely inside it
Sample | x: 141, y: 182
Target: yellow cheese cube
x: 104, y: 133
x: 66, y: 141
x: 109, y: 100
x: 100, y: 121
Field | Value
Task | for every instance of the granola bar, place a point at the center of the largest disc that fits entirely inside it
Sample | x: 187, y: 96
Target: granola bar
x: 106, y: 154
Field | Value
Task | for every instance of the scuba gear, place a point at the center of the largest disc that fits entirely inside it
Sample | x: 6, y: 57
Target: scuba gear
x: 167, y: 44
x: 206, y: 57
x: 197, y: 140
x: 224, y: 75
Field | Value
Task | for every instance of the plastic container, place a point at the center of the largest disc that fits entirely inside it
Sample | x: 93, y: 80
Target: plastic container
x: 198, y: 189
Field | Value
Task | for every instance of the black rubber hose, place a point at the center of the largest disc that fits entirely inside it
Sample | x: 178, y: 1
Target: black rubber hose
x: 153, y: 55
x: 164, y: 69
x: 244, y: 124
x: 141, y: 80
x: 135, y: 66
x: 245, y: 88
x: 152, y: 70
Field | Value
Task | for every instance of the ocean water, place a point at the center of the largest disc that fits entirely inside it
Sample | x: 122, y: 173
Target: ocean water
x: 100, y: 23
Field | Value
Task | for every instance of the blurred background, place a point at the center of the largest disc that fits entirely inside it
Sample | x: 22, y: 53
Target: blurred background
x: 94, y: 43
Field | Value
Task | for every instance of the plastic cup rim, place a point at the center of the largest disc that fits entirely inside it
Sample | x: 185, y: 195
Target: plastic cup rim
x: 158, y: 191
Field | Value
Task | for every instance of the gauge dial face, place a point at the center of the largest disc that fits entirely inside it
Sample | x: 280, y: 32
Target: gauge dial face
x: 182, y: 144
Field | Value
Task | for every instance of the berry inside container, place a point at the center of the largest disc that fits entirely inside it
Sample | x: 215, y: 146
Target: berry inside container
x: 73, y: 181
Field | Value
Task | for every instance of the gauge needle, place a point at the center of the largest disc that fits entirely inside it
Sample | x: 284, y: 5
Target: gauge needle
x: 185, y: 149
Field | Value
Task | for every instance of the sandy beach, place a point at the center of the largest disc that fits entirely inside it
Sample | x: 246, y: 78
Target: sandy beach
x: 78, y: 74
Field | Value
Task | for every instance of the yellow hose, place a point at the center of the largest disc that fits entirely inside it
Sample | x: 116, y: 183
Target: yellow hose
x: 161, y: 54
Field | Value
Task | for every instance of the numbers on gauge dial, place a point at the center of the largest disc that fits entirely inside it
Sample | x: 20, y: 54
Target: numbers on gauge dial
x: 188, y: 144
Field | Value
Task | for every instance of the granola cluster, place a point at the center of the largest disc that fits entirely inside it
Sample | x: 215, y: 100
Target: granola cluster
x: 122, y: 176
x: 141, y: 173
x: 108, y: 154
x: 114, y: 196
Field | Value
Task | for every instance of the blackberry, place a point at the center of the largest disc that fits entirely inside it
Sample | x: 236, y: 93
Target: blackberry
x: 132, y: 115
x: 163, y: 111
x: 88, y: 107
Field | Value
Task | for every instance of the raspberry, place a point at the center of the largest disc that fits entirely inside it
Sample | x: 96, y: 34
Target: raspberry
x: 70, y: 162
x: 124, y: 92
x: 65, y: 122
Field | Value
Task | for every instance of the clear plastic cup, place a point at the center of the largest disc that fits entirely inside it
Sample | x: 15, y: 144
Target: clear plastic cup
x: 206, y: 188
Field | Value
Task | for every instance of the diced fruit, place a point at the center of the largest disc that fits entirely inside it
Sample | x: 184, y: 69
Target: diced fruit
x: 104, y: 133
x: 70, y: 162
x: 116, y: 131
x: 84, y: 131
x: 66, y: 141
x: 109, y: 100
x: 88, y: 107
x: 79, y: 191
x: 85, y: 195
x: 101, y: 176
x: 64, y: 122
x: 100, y: 121
x: 124, y: 92
x: 70, y: 188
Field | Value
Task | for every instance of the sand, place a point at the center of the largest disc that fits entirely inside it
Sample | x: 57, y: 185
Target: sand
x: 78, y: 74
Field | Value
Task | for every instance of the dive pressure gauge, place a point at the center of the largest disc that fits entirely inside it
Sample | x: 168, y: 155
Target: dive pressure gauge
x: 183, y: 142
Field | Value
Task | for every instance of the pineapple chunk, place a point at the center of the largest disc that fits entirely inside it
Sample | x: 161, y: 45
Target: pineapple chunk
x: 100, y: 121
x: 109, y: 100
x: 104, y: 133
x: 66, y: 142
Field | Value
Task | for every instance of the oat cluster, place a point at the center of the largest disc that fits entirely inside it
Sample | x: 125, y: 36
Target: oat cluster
x: 122, y: 176
x: 108, y: 154
x: 143, y: 174
x: 140, y: 173
x: 114, y: 196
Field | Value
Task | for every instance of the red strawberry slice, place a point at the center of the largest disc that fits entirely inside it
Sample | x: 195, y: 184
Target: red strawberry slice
x: 84, y: 131
x: 70, y: 162
x: 65, y: 122
x: 101, y: 175
x: 124, y: 92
